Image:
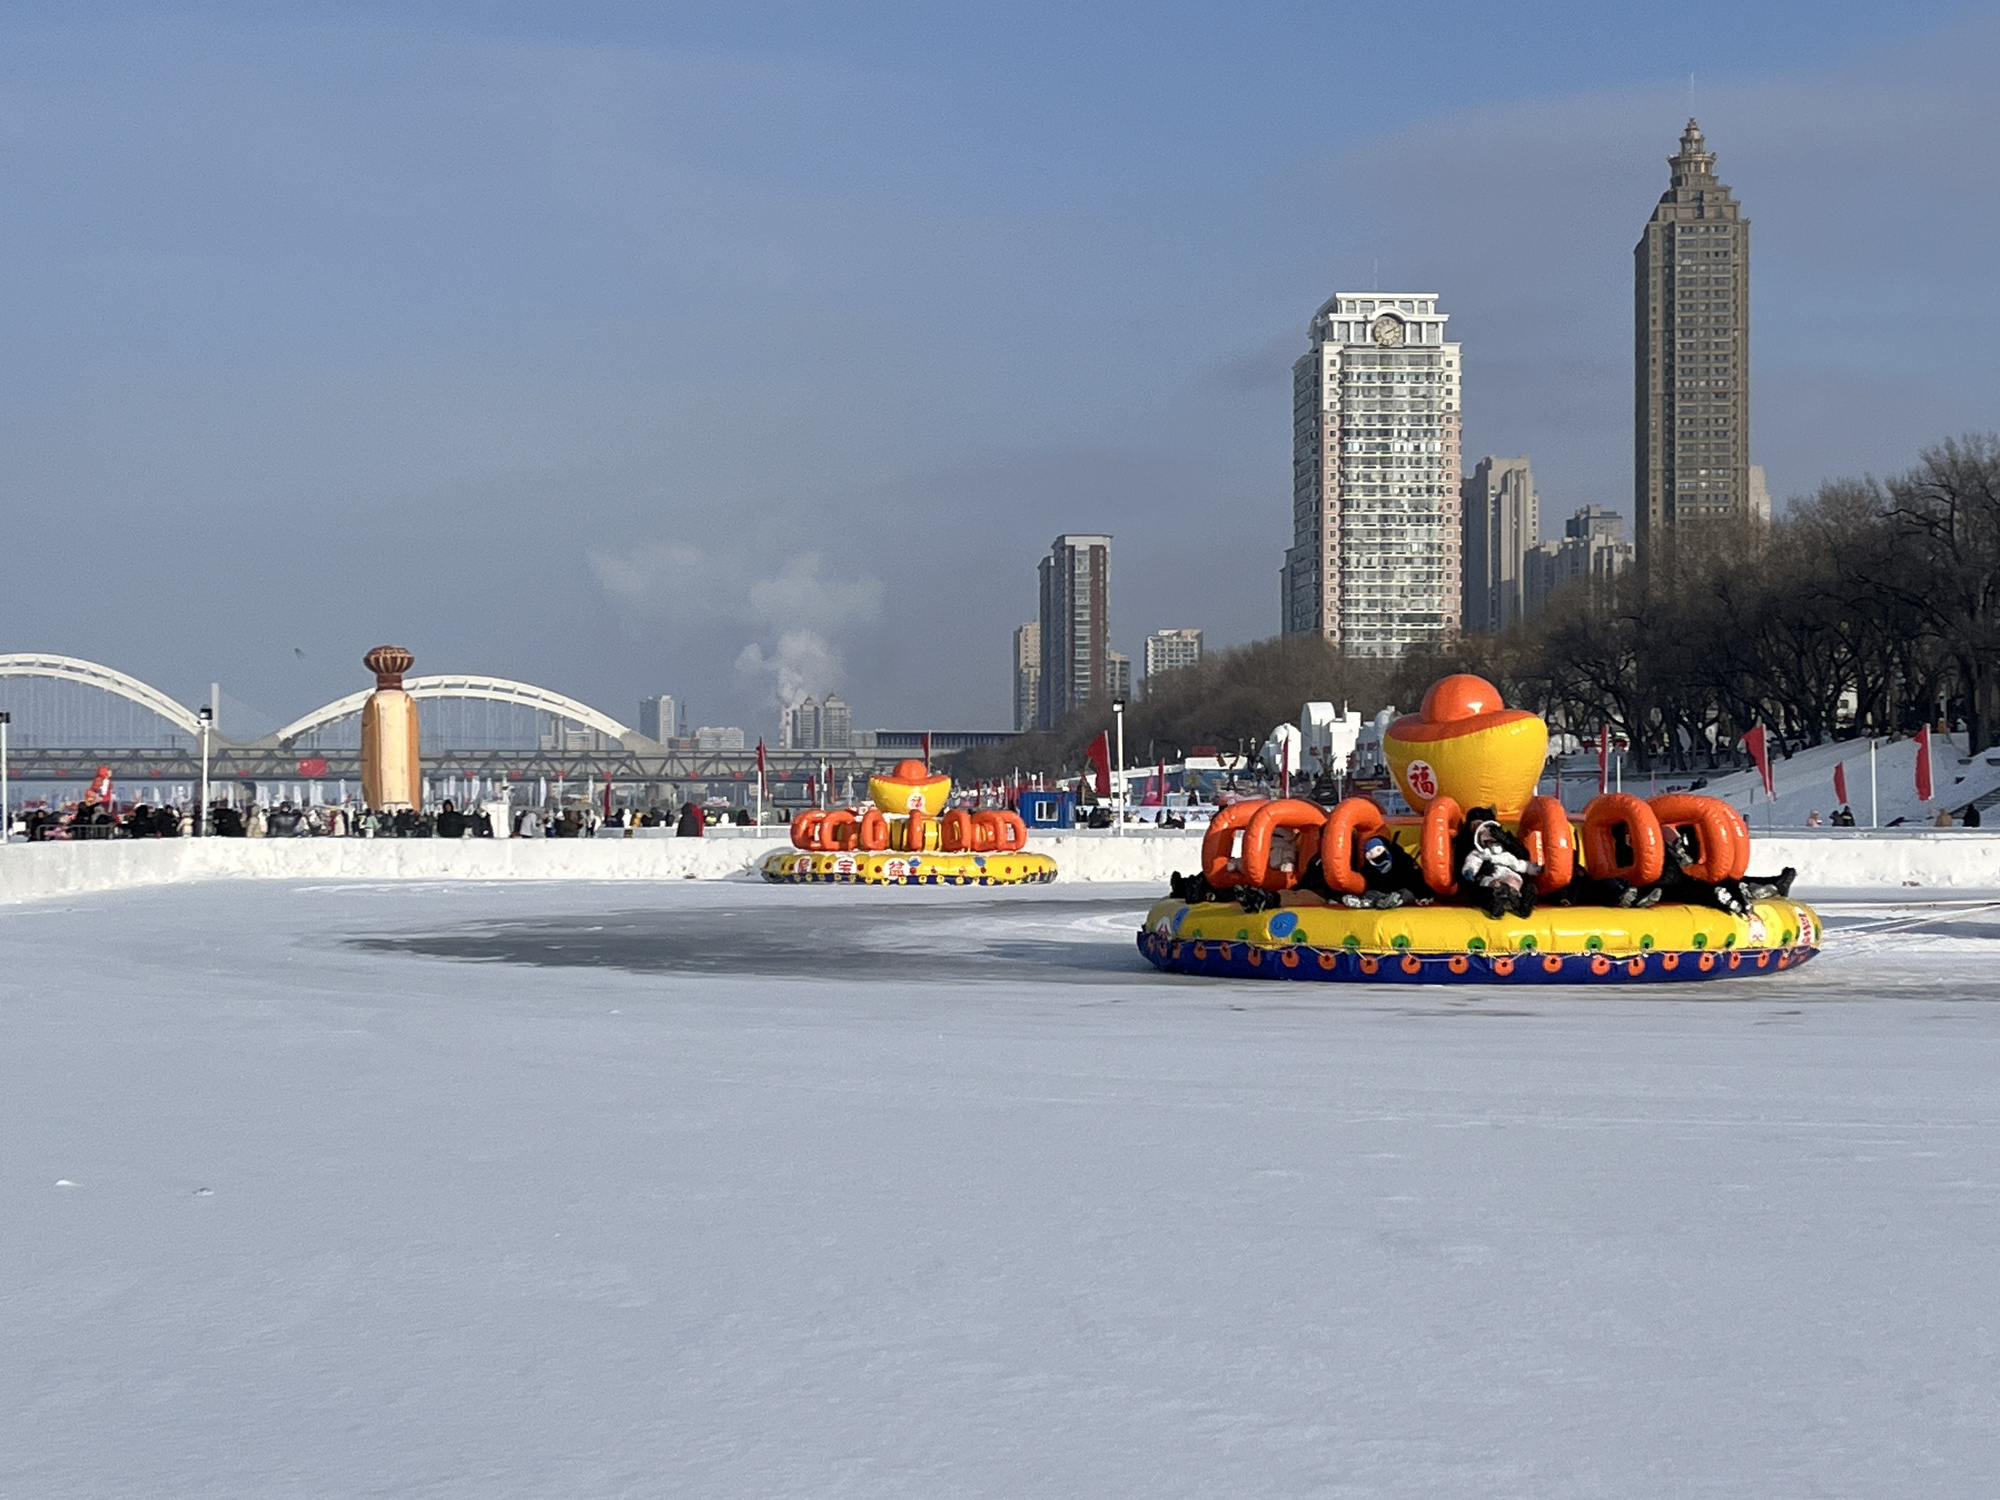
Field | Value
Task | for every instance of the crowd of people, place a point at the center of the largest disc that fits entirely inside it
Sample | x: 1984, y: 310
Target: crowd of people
x: 144, y: 820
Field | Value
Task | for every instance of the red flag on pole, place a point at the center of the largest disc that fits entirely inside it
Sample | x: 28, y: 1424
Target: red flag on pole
x: 1924, y: 764
x: 1603, y: 759
x: 1100, y: 757
x: 927, y: 749
x: 760, y: 757
x: 1840, y: 783
x: 1758, y: 744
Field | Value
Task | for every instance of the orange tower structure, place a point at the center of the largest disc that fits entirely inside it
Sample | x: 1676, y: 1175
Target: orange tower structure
x: 391, y: 769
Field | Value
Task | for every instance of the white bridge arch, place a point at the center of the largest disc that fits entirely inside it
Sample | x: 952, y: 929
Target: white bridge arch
x: 494, y: 689
x: 106, y: 679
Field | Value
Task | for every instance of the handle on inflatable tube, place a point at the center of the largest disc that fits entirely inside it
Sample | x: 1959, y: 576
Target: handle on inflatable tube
x: 1303, y: 818
x: 955, y: 830
x: 872, y: 832
x: 1601, y: 821
x: 916, y: 829
x: 807, y: 827
x: 839, y: 830
x: 1724, y: 856
x: 1353, y: 820
x: 1545, y: 829
x: 1219, y: 844
x: 1442, y: 820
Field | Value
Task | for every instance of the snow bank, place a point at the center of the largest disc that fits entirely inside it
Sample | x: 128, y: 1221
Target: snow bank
x: 1829, y: 859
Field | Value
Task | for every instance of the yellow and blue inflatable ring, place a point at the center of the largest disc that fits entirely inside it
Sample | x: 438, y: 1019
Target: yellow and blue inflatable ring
x: 893, y: 867
x: 1459, y: 945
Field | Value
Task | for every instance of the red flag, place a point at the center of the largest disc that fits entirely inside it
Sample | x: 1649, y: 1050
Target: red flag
x: 927, y: 749
x: 1100, y: 757
x: 1840, y: 783
x: 760, y: 757
x: 1758, y: 744
x: 1156, y: 794
x: 1924, y: 764
x: 607, y: 799
x: 1603, y: 759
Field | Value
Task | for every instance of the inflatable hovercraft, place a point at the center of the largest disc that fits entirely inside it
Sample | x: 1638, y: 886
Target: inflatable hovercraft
x: 1489, y: 885
x: 908, y: 836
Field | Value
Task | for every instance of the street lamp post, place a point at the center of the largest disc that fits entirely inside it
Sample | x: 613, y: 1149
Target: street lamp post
x: 1118, y: 714
x: 206, y: 713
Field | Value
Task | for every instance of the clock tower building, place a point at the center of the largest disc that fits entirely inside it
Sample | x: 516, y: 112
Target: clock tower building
x: 1375, y: 560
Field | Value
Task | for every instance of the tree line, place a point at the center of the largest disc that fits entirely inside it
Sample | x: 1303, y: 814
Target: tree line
x: 1871, y: 606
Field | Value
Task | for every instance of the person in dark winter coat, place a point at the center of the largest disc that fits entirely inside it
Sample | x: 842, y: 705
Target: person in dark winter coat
x: 692, y: 823
x: 1387, y: 870
x: 1494, y: 870
x: 1733, y: 896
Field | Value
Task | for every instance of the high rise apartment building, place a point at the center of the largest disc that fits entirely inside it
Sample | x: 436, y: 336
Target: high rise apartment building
x: 819, y: 726
x: 1170, y: 651
x: 1503, y: 524
x: 1375, y: 555
x: 1075, y: 626
x: 1691, y: 295
x: 1027, y: 676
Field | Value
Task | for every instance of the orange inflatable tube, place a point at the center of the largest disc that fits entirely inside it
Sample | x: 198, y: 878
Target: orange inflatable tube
x: 955, y: 831
x: 1724, y: 856
x: 839, y: 830
x: 994, y: 830
x: 1442, y: 820
x: 1349, y: 823
x: 807, y: 829
x: 872, y: 832
x: 916, y: 831
x: 1551, y: 844
x: 1602, y: 820
x: 1303, y: 818
x: 1220, y: 840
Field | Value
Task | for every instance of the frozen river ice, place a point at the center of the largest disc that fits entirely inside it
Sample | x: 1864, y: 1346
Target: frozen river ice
x: 712, y: 1189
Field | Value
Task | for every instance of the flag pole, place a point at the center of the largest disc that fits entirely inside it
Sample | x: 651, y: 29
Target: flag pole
x: 1874, y: 814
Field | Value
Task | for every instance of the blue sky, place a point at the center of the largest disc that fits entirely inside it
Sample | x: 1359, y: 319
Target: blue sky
x: 628, y: 348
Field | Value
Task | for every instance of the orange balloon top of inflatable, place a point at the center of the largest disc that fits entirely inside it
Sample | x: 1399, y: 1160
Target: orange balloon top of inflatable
x: 1466, y: 744
x: 1456, y: 705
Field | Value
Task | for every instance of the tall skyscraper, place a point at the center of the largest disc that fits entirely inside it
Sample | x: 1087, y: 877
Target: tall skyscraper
x: 1374, y: 561
x: 1691, y: 294
x: 1075, y: 626
x: 1027, y: 676
x: 658, y: 717
x: 1503, y: 522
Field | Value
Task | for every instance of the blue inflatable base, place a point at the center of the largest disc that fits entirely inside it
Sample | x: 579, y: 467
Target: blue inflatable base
x: 1240, y: 960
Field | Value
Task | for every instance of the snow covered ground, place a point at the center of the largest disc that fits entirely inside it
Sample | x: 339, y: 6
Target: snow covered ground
x: 340, y: 1189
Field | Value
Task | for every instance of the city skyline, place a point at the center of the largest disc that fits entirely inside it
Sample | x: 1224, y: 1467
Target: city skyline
x: 477, y: 348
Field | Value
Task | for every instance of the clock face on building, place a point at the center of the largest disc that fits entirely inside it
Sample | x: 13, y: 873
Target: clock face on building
x: 1388, y: 330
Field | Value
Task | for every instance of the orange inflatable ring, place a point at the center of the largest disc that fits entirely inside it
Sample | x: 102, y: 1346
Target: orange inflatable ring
x: 807, y: 829
x: 1713, y: 830
x: 1303, y: 818
x: 914, y: 831
x: 955, y: 830
x: 1442, y: 820
x: 998, y: 831
x: 840, y: 829
x: 1220, y: 840
x: 1601, y: 821
x: 1350, y: 822
x: 1545, y: 830
x: 872, y: 833
x: 1741, y: 865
